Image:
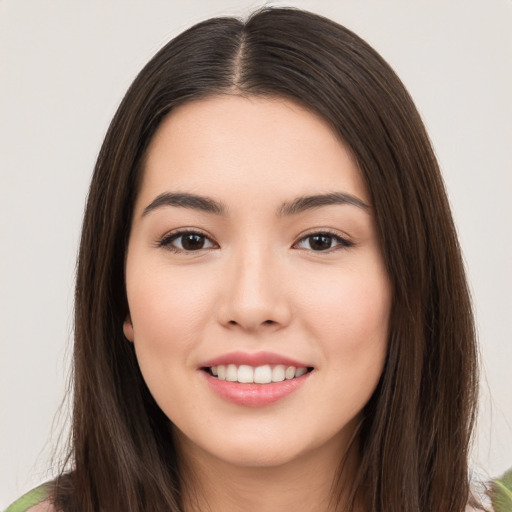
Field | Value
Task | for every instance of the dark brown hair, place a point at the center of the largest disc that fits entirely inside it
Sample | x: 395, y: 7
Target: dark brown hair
x: 416, y: 428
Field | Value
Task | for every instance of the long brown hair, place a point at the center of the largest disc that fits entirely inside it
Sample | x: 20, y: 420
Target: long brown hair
x: 416, y: 428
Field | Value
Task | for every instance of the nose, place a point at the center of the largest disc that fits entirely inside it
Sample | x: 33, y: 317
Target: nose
x: 253, y: 293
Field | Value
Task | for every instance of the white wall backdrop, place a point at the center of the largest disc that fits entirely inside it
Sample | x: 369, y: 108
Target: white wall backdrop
x: 64, y: 66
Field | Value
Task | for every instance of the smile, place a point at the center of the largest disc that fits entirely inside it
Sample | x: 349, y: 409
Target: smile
x: 255, y: 380
x: 264, y: 374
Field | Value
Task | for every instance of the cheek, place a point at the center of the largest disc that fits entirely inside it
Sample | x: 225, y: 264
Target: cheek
x: 168, y: 310
x: 350, y: 314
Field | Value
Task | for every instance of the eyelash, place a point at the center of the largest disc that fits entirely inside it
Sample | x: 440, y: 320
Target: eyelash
x: 167, y: 240
x: 340, y: 242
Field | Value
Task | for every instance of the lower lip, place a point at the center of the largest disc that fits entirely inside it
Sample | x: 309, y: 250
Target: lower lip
x: 254, y: 395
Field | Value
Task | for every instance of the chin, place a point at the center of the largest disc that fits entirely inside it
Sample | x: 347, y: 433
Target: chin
x: 258, y: 456
x: 262, y: 448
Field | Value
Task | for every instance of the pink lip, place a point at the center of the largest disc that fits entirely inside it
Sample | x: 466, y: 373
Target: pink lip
x: 254, y: 395
x: 256, y: 359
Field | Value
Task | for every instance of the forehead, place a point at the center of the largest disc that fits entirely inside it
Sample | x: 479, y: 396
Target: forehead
x: 230, y: 144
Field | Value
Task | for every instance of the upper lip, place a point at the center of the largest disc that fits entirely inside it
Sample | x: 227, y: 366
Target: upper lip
x: 255, y: 359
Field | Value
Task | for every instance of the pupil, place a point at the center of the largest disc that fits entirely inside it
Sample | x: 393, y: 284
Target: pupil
x: 193, y: 242
x: 320, y: 242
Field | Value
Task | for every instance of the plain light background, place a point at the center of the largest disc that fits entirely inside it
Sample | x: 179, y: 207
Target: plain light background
x: 64, y: 66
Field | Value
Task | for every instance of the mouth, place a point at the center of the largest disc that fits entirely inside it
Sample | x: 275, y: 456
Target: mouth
x: 264, y: 374
x: 255, y: 379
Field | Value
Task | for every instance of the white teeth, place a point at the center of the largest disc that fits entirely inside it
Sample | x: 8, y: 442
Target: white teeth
x: 262, y: 374
x: 300, y: 371
x: 245, y: 373
x: 232, y: 373
x: 290, y: 372
x: 258, y: 375
x: 278, y: 373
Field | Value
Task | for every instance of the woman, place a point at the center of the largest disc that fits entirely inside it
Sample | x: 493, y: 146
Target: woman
x: 271, y: 308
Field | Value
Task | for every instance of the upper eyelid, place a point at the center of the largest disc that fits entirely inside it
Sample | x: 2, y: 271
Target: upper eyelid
x: 185, y: 231
x: 172, y: 235
x: 328, y: 231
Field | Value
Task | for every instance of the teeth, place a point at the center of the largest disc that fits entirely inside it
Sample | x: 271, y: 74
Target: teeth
x: 278, y: 373
x: 245, y: 373
x: 290, y: 372
x: 300, y: 371
x: 232, y: 373
x: 256, y: 375
x: 262, y: 374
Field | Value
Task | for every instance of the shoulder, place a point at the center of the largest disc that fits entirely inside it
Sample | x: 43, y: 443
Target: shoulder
x: 36, y: 500
x: 44, y: 506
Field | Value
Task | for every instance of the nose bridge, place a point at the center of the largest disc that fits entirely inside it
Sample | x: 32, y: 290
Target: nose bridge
x: 254, y: 292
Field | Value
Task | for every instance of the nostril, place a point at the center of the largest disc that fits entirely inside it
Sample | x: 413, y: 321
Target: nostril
x: 267, y: 322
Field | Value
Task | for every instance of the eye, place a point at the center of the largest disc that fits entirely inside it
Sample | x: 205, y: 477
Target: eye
x: 323, y: 241
x: 186, y: 241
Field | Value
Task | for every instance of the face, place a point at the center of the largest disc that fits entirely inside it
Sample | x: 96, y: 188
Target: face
x: 258, y: 299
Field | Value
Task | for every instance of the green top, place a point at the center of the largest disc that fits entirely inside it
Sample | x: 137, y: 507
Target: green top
x: 500, y: 493
x: 30, y: 499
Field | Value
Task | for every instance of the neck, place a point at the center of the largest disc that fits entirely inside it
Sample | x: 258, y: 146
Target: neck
x: 319, y: 481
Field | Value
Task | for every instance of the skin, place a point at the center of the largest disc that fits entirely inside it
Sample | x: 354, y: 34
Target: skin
x: 257, y: 284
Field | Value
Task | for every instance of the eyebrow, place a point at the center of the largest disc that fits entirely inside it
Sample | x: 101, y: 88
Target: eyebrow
x: 184, y: 200
x: 309, y: 202
x: 209, y: 205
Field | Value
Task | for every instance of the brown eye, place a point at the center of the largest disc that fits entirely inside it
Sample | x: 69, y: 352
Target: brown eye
x: 192, y: 242
x: 320, y: 242
x: 186, y: 242
x: 323, y: 242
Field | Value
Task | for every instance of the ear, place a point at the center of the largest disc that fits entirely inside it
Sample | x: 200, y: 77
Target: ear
x: 128, y: 328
